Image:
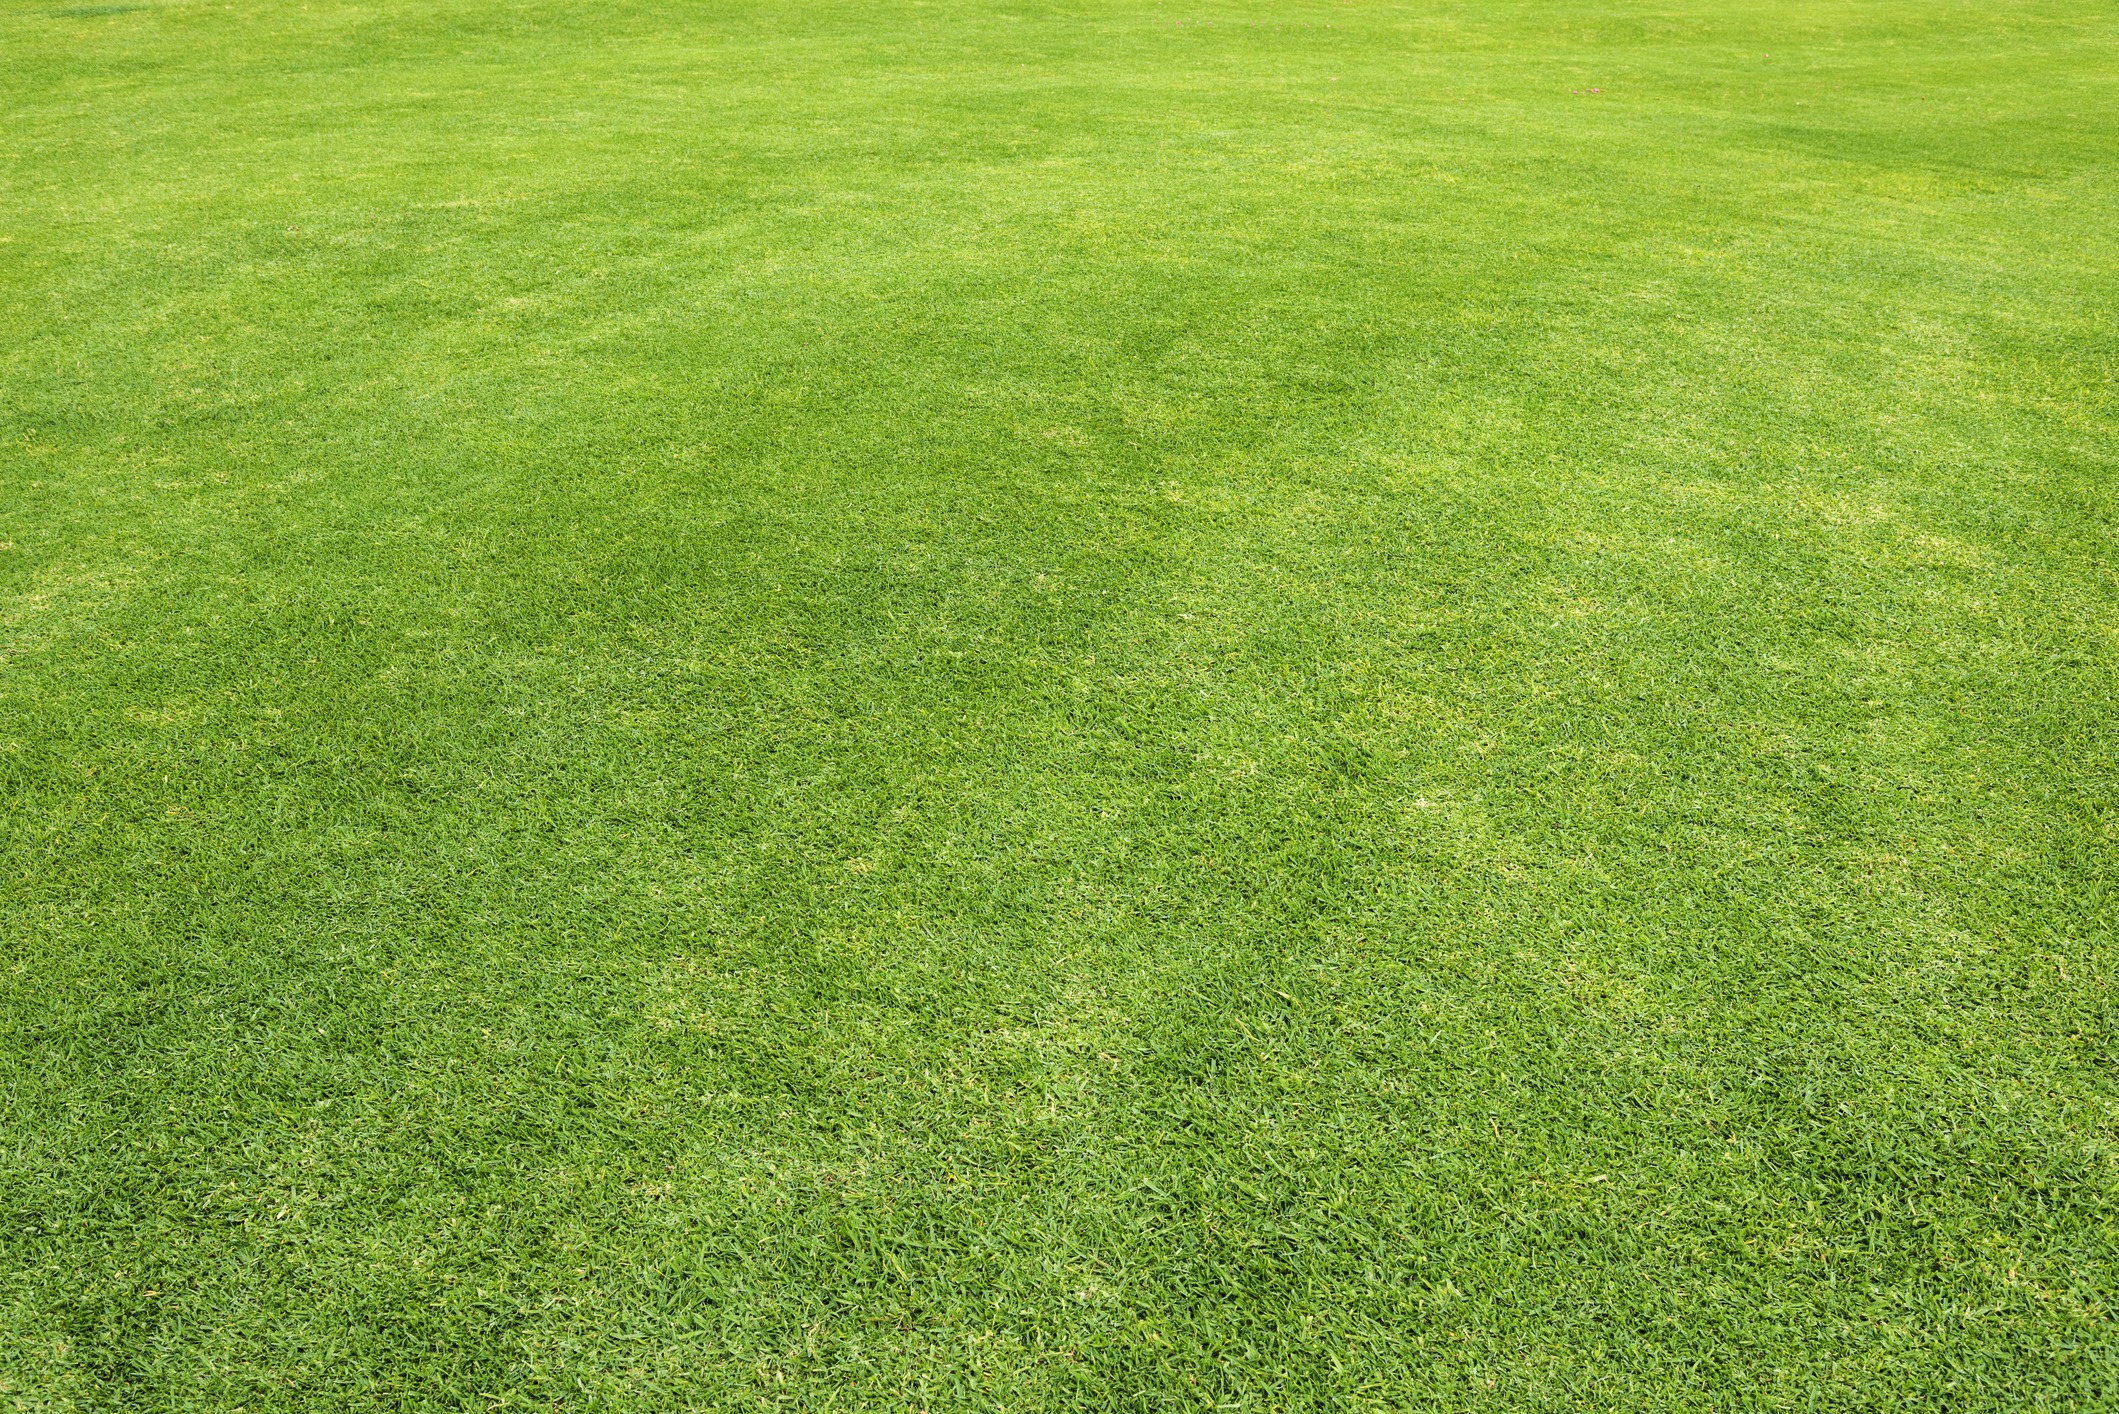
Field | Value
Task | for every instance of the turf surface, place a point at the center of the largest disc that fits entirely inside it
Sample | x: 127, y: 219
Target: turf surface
x: 994, y: 704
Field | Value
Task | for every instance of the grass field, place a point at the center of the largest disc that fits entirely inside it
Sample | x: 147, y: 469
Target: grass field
x: 1024, y: 704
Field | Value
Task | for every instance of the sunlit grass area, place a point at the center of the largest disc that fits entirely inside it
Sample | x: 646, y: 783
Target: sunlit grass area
x: 989, y: 705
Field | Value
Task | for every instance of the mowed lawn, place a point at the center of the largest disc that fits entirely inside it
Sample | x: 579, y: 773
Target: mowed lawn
x: 1059, y: 704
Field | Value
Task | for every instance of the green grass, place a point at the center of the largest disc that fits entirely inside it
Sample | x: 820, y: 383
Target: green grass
x: 1052, y: 704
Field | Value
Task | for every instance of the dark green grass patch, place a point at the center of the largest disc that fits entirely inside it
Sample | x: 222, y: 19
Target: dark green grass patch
x: 974, y: 705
